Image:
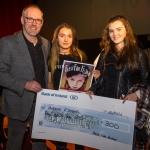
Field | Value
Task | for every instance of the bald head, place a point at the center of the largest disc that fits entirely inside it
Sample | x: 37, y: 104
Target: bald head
x: 30, y: 7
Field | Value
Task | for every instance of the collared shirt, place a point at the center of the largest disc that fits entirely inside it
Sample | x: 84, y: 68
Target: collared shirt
x: 37, y: 58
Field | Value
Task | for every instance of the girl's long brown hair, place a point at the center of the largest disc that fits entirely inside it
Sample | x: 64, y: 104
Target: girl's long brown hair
x: 128, y: 57
x: 54, y: 55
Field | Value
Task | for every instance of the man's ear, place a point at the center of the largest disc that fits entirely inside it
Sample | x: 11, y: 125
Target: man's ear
x: 21, y: 19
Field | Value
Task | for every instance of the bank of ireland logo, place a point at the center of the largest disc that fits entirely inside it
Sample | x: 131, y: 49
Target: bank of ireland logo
x: 73, y: 97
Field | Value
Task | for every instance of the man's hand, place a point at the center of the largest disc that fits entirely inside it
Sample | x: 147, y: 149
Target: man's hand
x: 33, y: 86
x: 130, y: 97
x: 90, y: 93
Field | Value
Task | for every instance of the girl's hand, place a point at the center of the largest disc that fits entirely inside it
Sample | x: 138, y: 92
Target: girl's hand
x: 90, y: 93
x: 96, y: 73
x: 130, y: 97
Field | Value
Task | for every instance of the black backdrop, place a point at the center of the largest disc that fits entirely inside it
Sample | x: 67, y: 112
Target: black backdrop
x: 89, y: 17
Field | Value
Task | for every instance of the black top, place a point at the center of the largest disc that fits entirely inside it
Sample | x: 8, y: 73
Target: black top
x: 37, y: 58
x: 147, y: 52
x: 58, y: 70
x: 114, y: 83
x: 110, y: 75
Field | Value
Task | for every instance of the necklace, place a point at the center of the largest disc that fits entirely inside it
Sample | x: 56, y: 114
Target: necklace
x: 64, y: 53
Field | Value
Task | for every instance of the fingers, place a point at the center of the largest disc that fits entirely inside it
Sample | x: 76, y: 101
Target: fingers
x: 124, y: 100
x: 90, y: 93
x: 90, y: 96
x: 130, y: 97
x: 96, y: 73
x: 33, y: 86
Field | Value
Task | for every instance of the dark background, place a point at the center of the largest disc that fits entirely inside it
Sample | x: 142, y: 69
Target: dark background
x: 88, y: 17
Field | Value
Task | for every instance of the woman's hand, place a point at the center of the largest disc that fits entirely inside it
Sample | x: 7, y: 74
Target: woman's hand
x: 130, y: 97
x: 90, y: 93
x: 96, y: 73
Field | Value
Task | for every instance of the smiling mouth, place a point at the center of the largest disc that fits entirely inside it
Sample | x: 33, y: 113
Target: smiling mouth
x: 75, y: 87
x: 116, y: 38
x: 33, y: 28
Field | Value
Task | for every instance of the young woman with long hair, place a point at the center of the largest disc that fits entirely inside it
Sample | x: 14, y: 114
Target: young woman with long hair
x: 64, y: 47
x: 122, y: 64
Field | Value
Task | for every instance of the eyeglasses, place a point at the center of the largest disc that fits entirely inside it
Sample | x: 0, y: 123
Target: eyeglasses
x: 31, y: 20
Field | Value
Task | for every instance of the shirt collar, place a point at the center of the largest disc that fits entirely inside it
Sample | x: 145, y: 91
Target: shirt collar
x: 39, y: 42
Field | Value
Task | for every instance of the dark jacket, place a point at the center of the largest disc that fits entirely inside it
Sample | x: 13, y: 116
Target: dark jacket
x: 15, y: 70
x: 113, y: 83
x: 147, y: 52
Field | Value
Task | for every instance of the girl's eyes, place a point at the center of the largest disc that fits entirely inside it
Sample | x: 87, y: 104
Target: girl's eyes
x: 111, y: 31
x: 65, y: 36
x: 70, y: 36
x: 72, y: 79
x: 61, y: 35
x: 77, y: 80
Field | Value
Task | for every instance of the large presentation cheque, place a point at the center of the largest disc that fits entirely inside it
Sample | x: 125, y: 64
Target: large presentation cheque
x: 102, y: 123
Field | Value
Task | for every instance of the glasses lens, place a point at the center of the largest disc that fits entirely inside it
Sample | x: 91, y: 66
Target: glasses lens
x: 38, y: 21
x: 30, y: 20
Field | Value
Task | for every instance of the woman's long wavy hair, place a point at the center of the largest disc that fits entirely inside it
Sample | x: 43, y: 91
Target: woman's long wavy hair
x: 54, y: 55
x: 127, y: 57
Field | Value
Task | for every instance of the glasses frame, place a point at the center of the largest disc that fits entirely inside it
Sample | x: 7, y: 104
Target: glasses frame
x: 37, y: 21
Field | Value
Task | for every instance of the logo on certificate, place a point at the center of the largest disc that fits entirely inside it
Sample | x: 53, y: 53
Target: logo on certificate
x: 73, y: 97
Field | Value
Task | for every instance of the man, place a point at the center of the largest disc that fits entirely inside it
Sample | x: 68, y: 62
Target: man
x: 23, y: 73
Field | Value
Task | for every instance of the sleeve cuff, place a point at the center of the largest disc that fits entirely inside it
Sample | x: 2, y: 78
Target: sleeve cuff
x: 138, y: 94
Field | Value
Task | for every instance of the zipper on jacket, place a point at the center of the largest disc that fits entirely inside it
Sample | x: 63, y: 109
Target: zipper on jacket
x: 118, y: 85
